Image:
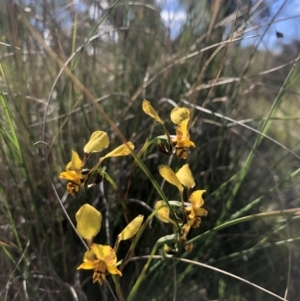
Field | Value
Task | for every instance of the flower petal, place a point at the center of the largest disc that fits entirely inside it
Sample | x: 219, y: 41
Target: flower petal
x: 148, y: 109
x: 75, y: 164
x: 196, y: 198
x: 185, y: 176
x: 182, y: 135
x: 88, y: 221
x: 70, y: 175
x: 179, y: 114
x: 162, y: 213
x: 185, y: 229
x: 89, y: 255
x: 168, y: 174
x: 200, y: 211
x: 122, y: 150
x: 132, y: 228
x: 105, y: 253
x: 98, y: 141
x: 87, y: 265
x: 113, y: 270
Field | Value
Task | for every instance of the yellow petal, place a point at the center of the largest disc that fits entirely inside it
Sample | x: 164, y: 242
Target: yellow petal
x: 162, y: 213
x: 75, y: 164
x: 200, y: 211
x: 148, y: 109
x: 168, y: 174
x: 70, y: 175
x: 190, y: 212
x: 185, y: 229
x: 179, y: 114
x: 185, y: 176
x: 98, y: 141
x: 88, y: 265
x: 113, y: 270
x: 105, y: 253
x: 196, y: 198
x: 122, y: 150
x: 88, y: 221
x: 89, y: 255
x: 182, y: 134
x: 181, y: 153
x: 132, y: 228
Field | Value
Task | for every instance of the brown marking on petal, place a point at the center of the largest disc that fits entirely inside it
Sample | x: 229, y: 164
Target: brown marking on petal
x: 72, y: 188
x: 181, y: 153
x: 196, y: 222
x: 99, y: 272
x: 189, y: 247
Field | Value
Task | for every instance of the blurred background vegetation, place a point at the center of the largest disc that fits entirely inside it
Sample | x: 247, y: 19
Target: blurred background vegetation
x: 64, y: 63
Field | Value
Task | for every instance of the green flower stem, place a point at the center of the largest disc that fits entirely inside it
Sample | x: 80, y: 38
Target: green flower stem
x: 133, y: 166
x: 116, y: 188
x: 156, y: 186
x: 146, y: 266
x: 136, y: 239
x: 119, y: 291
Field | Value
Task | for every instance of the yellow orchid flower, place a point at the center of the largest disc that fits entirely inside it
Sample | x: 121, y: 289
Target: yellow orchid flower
x: 181, y: 117
x: 75, y: 174
x: 100, y: 258
x: 182, y: 139
x: 194, y: 212
x: 78, y: 176
x: 88, y: 222
x: 197, y: 202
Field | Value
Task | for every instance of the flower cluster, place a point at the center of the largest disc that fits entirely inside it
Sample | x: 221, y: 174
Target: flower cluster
x: 183, y: 214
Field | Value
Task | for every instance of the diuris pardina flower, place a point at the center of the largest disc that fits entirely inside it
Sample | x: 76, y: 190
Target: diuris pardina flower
x: 193, y: 209
x: 77, y: 175
x: 101, y: 258
x: 74, y: 174
x: 194, y: 212
x: 181, y: 141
